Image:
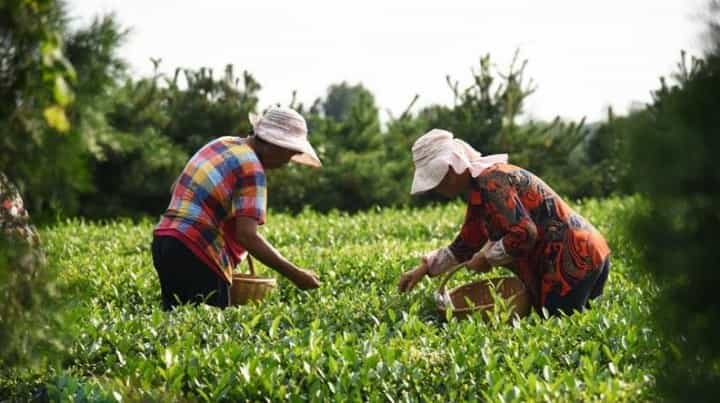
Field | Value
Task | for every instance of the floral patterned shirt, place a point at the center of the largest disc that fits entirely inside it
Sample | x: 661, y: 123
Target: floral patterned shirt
x: 530, y: 229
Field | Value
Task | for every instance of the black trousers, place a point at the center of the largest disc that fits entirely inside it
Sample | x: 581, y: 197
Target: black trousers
x: 184, y: 278
x: 580, y: 296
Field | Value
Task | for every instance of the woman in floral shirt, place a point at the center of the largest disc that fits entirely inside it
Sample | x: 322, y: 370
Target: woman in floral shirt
x: 513, y: 219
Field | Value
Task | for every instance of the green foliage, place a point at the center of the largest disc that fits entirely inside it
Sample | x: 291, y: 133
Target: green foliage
x: 20, y: 302
x: 673, y: 163
x: 485, y: 107
x: 357, y: 172
x: 180, y: 114
x: 206, y: 107
x: 344, y: 99
x: 133, y: 164
x: 34, y: 69
x: 51, y: 170
x: 129, y: 138
x: 607, y: 154
x: 554, y: 152
x: 26, y: 339
x: 355, y: 338
x: 146, y: 129
x: 365, y: 166
x: 32, y: 339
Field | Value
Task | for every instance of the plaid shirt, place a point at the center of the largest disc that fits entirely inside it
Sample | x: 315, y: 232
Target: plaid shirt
x: 222, y: 181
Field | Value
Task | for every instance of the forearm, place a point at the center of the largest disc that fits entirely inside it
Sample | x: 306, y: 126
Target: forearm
x: 262, y: 250
x: 463, y: 250
x: 439, y: 261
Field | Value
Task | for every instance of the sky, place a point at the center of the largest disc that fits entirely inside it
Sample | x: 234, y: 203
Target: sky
x: 584, y: 55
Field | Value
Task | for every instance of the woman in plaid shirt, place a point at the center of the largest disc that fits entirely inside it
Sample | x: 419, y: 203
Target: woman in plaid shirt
x: 217, y: 203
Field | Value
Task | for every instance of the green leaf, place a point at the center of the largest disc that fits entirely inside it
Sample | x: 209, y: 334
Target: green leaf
x: 62, y: 93
x: 56, y: 118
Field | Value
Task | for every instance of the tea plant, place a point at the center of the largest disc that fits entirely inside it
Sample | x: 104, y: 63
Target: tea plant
x: 355, y: 338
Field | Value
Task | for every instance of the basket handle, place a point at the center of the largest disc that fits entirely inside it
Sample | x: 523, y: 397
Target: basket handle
x: 251, y: 265
x: 442, y: 295
x: 450, y: 273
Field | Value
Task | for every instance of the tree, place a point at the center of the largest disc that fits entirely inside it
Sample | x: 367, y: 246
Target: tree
x: 208, y: 107
x: 34, y: 72
x: 51, y: 170
x: 673, y: 160
x: 35, y: 97
x: 714, y: 26
x: 345, y: 127
x: 150, y: 128
x: 486, y: 115
x: 479, y: 109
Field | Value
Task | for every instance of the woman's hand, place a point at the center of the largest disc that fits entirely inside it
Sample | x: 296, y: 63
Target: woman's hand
x: 479, y: 263
x: 410, y: 278
x: 305, y: 279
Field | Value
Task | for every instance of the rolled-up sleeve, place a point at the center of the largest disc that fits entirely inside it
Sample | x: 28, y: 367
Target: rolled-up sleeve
x: 250, y: 195
x: 439, y: 261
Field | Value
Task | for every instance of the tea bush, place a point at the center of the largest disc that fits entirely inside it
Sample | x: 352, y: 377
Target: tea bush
x: 355, y: 338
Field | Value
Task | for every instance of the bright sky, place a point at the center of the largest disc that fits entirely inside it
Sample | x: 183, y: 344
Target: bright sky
x: 584, y: 54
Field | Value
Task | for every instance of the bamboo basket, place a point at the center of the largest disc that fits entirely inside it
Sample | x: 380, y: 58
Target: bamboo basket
x: 249, y: 287
x: 476, y: 297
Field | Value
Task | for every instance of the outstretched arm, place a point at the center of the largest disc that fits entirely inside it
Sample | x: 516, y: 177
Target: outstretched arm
x: 260, y: 248
x: 471, y: 238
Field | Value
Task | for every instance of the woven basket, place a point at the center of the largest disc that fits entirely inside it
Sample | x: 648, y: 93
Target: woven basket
x: 249, y: 287
x: 477, y: 297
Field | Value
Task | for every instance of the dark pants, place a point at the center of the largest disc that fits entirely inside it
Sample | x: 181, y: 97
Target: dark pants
x: 184, y: 278
x: 580, y: 296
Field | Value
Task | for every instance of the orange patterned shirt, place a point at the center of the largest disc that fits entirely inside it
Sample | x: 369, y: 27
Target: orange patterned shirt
x: 552, y: 246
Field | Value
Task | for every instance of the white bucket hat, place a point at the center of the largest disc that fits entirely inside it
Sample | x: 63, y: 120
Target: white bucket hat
x: 286, y: 128
x: 437, y: 150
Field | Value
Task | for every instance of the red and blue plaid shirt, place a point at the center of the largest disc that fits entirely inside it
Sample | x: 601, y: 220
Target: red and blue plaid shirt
x: 222, y: 181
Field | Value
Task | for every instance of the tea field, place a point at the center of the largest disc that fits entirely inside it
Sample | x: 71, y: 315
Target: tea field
x: 355, y: 338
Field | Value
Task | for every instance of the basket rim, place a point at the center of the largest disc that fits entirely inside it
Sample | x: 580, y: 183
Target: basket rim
x: 249, y: 278
x: 494, y: 280
x: 467, y: 309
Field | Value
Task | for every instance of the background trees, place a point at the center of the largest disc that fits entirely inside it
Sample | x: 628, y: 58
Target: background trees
x: 80, y: 136
x: 125, y: 139
x: 673, y: 154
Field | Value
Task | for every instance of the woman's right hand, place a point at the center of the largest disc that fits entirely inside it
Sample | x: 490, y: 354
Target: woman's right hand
x: 479, y: 263
x: 305, y: 279
x: 410, y: 278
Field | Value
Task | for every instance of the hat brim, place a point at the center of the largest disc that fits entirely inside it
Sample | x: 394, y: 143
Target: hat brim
x: 310, y: 160
x: 307, y: 155
x: 425, y: 180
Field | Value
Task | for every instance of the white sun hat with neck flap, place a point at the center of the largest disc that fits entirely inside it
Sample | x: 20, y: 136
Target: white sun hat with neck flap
x: 286, y: 128
x: 436, y: 151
